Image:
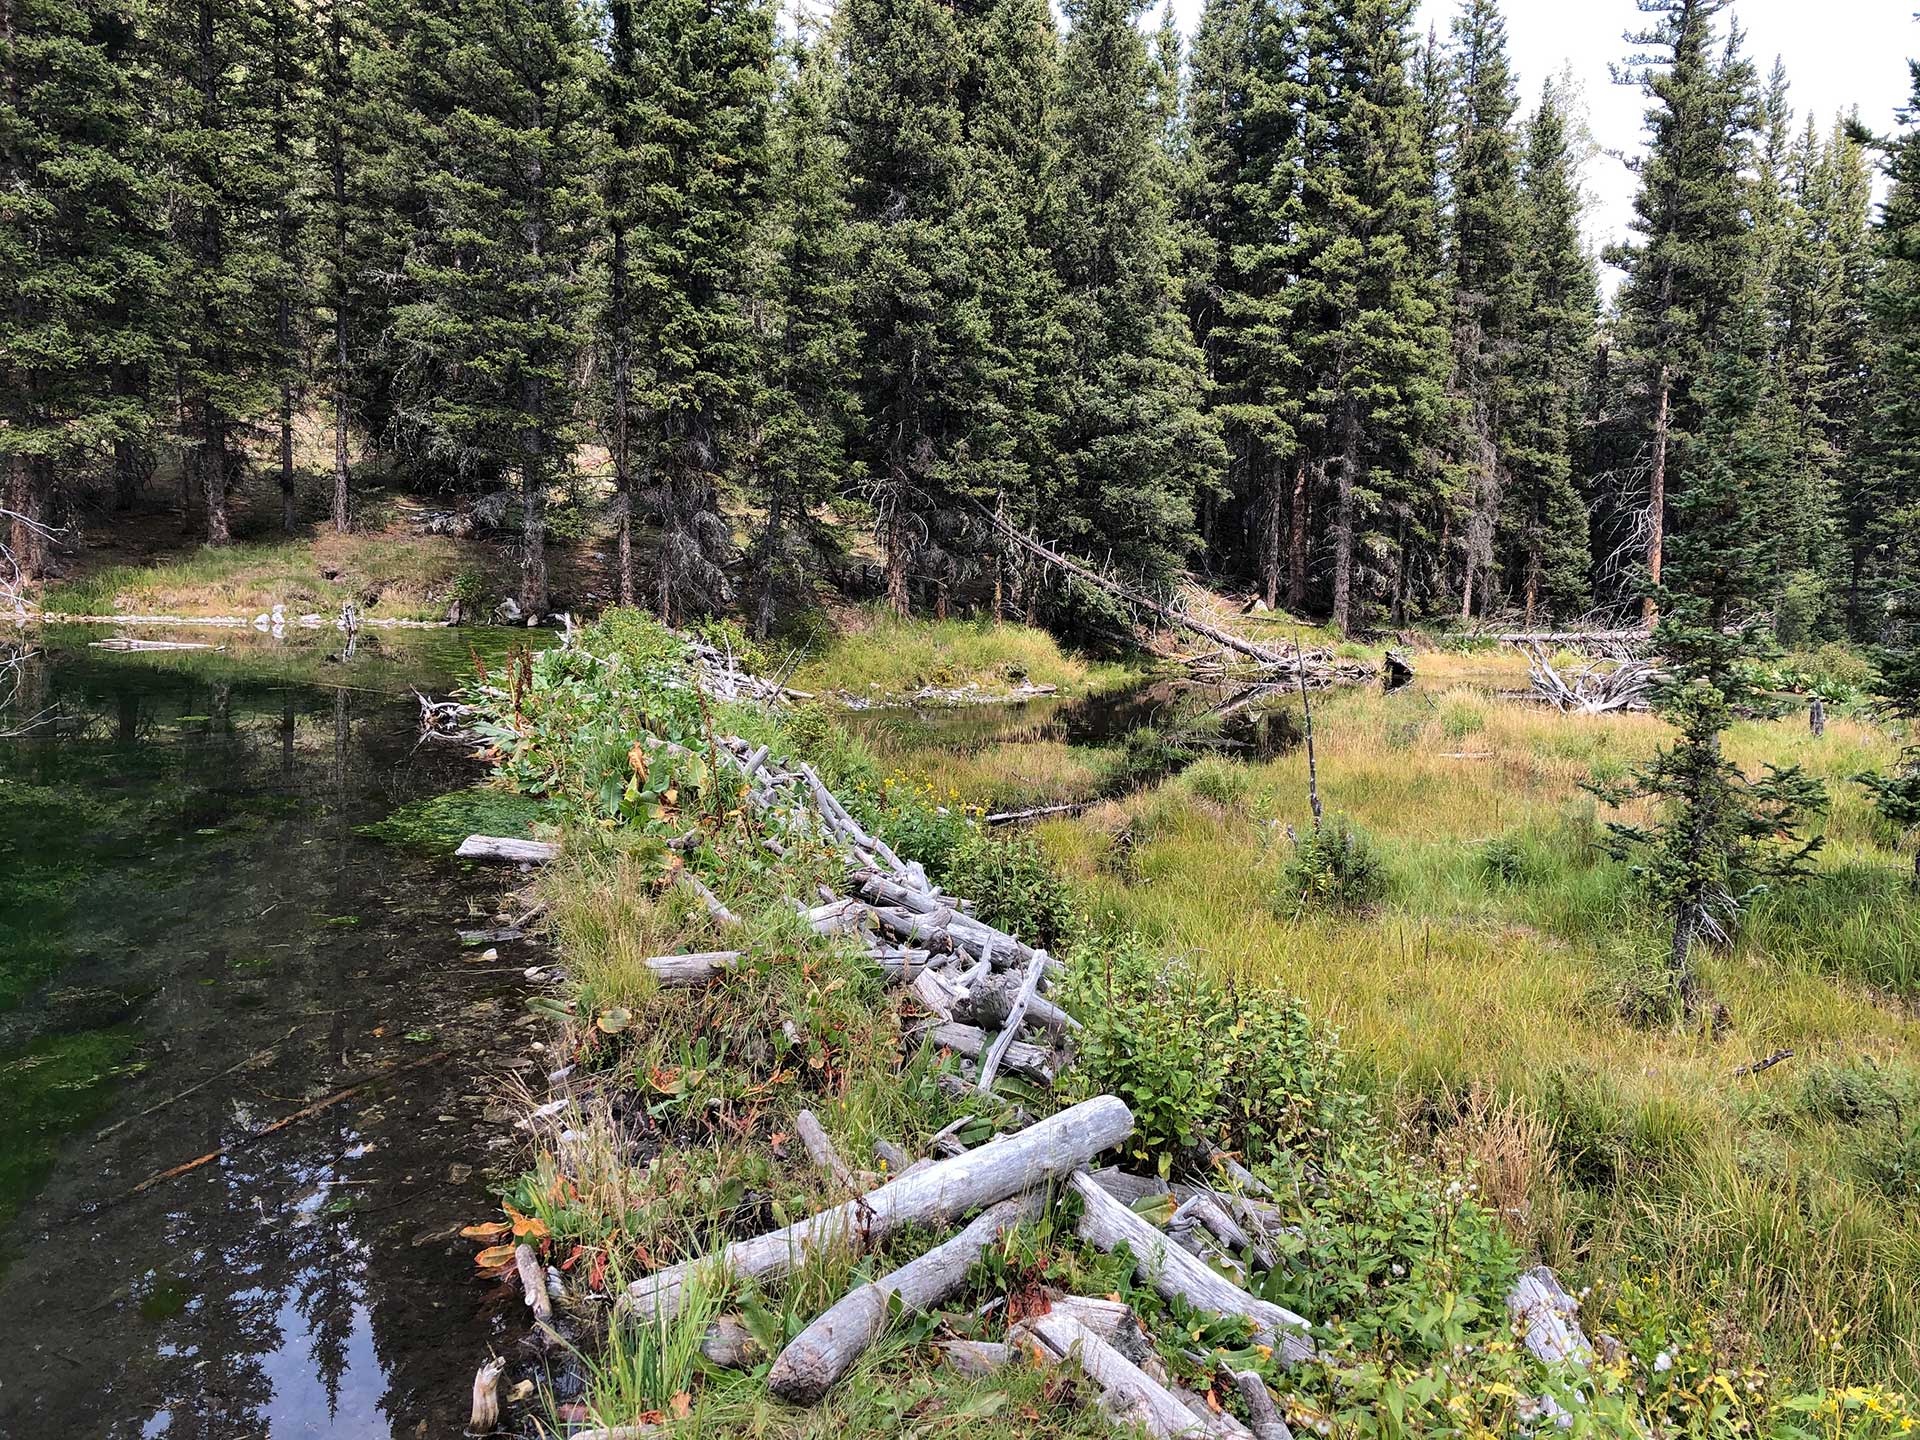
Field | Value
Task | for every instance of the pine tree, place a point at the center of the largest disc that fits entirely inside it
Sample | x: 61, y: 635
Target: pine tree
x: 918, y: 340
x: 1485, y: 278
x: 1885, y: 506
x: 1685, y: 270
x: 490, y: 317
x: 290, y: 106
x: 1010, y: 210
x: 704, y: 82
x: 1136, y: 443
x: 1369, y: 325
x: 216, y: 131
x: 806, y: 408
x: 81, y: 256
x: 1246, y: 201
x: 1725, y: 835
x: 341, y: 32
x: 1544, y: 531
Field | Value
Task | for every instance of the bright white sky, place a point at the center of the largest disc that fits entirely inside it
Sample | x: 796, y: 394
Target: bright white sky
x: 1838, y: 53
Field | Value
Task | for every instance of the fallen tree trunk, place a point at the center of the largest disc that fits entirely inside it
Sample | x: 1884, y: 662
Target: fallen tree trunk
x: 823, y: 1352
x: 971, y: 1041
x: 1010, y: 1027
x: 505, y: 847
x: 695, y: 969
x: 1044, y: 1152
x: 1107, y: 1224
x: 1128, y: 1394
x: 1548, y: 1317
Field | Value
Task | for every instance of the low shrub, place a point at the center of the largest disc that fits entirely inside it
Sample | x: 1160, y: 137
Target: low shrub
x: 1201, y: 1063
x: 1334, y: 867
x: 1014, y: 885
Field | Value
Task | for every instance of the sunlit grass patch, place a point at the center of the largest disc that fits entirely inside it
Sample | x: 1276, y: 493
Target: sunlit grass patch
x: 885, y: 655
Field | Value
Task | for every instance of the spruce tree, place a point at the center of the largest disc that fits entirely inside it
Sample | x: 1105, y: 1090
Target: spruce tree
x: 704, y: 76
x: 904, y: 60
x: 341, y: 35
x: 82, y: 259
x: 1484, y: 272
x: 1686, y: 268
x: 805, y: 408
x: 1544, y: 529
x: 1724, y: 835
x: 1136, y: 443
x: 1369, y: 326
x: 215, y: 123
x: 1245, y: 199
x: 1010, y: 210
x: 1885, y: 505
x: 291, y: 110
x: 490, y: 317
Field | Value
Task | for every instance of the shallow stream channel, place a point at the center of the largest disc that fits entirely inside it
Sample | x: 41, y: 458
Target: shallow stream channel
x: 199, y: 951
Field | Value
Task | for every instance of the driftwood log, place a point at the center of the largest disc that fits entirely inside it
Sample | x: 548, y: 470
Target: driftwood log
x: 1108, y: 1224
x: 486, y: 1397
x: 1044, y: 1152
x: 506, y: 847
x: 1128, y: 1394
x: 823, y: 1352
x: 696, y: 969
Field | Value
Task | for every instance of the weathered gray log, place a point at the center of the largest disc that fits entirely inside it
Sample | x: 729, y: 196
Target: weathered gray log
x: 928, y: 930
x: 891, y: 1156
x: 1016, y: 1016
x: 1038, y: 812
x: 1129, y: 1395
x: 1243, y: 1179
x: 1112, y: 1320
x: 1129, y: 1190
x: 533, y: 1283
x: 820, y: 1149
x: 974, y: 1359
x: 695, y: 969
x: 987, y: 1004
x: 715, y: 907
x: 1267, y: 1424
x: 1549, y: 1316
x: 1211, y: 1215
x: 934, y: 991
x: 505, y: 847
x: 1044, y: 1152
x: 1107, y: 1224
x: 730, y: 1345
x: 971, y: 1041
x: 820, y: 1354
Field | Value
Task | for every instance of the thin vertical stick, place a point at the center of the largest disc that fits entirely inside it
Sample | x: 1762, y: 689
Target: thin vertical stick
x: 1313, y: 771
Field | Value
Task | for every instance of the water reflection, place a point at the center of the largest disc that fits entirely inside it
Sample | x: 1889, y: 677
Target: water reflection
x: 195, y: 944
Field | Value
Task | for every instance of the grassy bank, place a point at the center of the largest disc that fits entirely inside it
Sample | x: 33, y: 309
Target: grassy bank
x: 402, y: 577
x: 873, y: 654
x: 1508, y: 959
x: 1415, y: 1191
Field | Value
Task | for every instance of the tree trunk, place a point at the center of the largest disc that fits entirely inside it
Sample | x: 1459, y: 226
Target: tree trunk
x: 896, y: 569
x: 621, y: 55
x: 1533, y: 582
x: 287, y: 516
x: 1270, y: 506
x: 22, y: 540
x: 533, y: 523
x: 213, y: 473
x: 1343, y: 534
x: 1297, y: 539
x: 1657, y: 499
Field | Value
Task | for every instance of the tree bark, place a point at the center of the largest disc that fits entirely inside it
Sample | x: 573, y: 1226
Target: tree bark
x: 1657, y: 498
x: 337, y: 163
x: 1343, y: 531
x: 213, y: 473
x: 1270, y: 506
x: 619, y: 316
x: 823, y: 1352
x: 1297, y: 539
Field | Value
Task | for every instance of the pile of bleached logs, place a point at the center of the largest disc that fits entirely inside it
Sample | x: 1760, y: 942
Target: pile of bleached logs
x: 1596, y: 688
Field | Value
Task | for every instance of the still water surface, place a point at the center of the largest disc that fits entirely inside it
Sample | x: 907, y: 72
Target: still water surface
x: 195, y: 944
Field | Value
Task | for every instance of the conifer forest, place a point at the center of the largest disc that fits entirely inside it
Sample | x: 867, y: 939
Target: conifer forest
x: 1026, y: 719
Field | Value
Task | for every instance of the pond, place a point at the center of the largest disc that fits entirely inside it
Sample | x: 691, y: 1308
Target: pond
x: 195, y: 945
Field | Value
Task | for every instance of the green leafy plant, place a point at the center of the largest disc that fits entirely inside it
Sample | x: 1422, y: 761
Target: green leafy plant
x: 1014, y: 885
x: 1334, y: 867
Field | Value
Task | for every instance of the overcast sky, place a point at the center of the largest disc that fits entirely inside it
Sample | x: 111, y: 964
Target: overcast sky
x: 1839, y: 54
